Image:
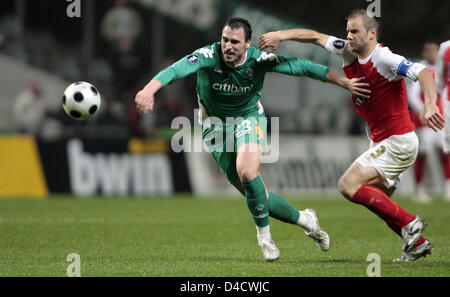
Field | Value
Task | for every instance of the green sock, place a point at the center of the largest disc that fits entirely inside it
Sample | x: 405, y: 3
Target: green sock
x: 281, y: 210
x: 257, y: 203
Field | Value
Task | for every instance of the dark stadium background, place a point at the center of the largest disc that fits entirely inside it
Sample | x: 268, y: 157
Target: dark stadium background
x: 40, y: 35
x: 112, y: 190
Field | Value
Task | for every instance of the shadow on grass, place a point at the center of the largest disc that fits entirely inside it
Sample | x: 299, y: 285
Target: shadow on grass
x: 285, y: 260
x: 325, y: 261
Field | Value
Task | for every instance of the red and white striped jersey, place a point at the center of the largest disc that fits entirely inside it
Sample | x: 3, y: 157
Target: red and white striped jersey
x: 386, y: 111
x: 443, y: 68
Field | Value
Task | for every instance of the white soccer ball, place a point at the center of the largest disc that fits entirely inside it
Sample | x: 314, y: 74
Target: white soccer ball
x: 81, y: 100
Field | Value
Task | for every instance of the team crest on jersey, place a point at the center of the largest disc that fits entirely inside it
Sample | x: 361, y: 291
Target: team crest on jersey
x: 339, y: 44
x: 193, y: 59
x: 249, y: 72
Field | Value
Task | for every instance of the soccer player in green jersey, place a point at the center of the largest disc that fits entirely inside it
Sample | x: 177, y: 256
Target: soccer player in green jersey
x: 230, y: 76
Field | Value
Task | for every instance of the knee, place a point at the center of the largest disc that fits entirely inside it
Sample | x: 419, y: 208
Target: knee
x: 341, y: 185
x: 247, y: 174
x: 346, y: 188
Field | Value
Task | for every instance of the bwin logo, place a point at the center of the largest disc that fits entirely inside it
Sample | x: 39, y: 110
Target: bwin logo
x: 74, y: 9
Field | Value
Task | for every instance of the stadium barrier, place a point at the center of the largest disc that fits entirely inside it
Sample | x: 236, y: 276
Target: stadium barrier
x: 306, y: 165
x: 134, y: 167
x: 148, y: 167
x: 21, y: 174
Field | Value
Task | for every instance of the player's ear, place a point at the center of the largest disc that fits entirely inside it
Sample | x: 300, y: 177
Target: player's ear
x: 372, y: 34
x: 247, y: 43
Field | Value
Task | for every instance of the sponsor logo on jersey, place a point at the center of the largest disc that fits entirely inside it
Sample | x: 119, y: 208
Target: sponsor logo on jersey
x: 206, y: 52
x: 267, y: 57
x: 193, y: 59
x: 339, y: 44
x: 231, y: 88
x: 404, y: 67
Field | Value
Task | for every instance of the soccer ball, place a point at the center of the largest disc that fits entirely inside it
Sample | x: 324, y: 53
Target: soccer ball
x: 81, y: 100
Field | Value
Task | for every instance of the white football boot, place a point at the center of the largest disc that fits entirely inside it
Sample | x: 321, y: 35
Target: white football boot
x: 412, y: 232
x: 268, y: 248
x: 421, y: 251
x: 447, y: 192
x: 315, y: 232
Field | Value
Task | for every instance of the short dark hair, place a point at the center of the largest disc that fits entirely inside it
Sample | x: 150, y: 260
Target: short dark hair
x: 431, y: 42
x: 236, y: 23
x: 369, y: 22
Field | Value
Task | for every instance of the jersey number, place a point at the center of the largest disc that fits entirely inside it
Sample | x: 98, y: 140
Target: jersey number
x: 379, y: 152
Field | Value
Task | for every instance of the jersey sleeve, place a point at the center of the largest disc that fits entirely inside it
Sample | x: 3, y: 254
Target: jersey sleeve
x: 339, y: 47
x: 395, y: 66
x: 293, y: 66
x: 201, y: 58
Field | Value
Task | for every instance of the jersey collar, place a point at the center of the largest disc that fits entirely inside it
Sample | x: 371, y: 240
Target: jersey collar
x: 365, y: 60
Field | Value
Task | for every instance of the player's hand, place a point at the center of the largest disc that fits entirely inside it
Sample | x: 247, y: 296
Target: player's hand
x: 271, y: 39
x: 432, y: 118
x: 359, y: 88
x: 145, y: 101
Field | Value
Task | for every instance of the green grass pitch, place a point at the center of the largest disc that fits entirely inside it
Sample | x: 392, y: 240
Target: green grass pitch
x: 183, y: 237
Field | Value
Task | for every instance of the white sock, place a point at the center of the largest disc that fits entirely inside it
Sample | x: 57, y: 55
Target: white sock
x: 447, y: 187
x: 304, y: 220
x: 263, y: 232
x: 420, y: 188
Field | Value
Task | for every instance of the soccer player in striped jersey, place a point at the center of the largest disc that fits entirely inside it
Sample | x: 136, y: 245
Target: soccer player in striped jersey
x: 443, y: 72
x: 373, y: 177
x: 429, y: 141
x: 443, y: 87
x: 230, y: 76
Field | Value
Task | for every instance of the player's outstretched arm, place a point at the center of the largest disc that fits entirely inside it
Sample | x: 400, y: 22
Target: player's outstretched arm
x: 356, y: 86
x: 185, y: 66
x: 272, y: 40
x: 431, y: 115
x: 302, y: 67
x: 145, y: 98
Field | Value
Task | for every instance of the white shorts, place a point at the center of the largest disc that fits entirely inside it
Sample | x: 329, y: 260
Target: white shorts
x: 391, y: 157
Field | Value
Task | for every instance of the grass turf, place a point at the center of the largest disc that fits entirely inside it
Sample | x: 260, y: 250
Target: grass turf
x: 187, y: 237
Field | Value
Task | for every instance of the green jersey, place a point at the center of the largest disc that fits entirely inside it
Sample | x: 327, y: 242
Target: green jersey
x: 225, y: 91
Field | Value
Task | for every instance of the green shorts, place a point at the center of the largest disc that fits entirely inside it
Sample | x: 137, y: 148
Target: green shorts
x: 224, y: 139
